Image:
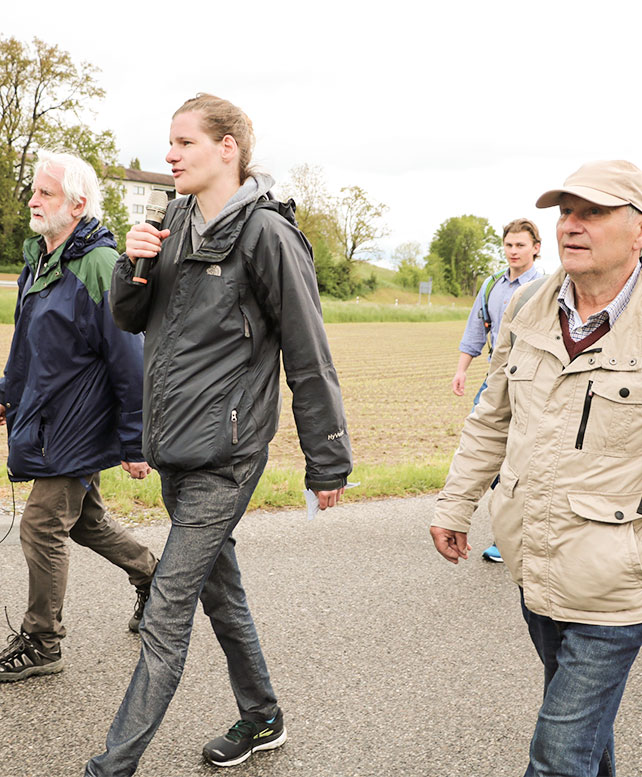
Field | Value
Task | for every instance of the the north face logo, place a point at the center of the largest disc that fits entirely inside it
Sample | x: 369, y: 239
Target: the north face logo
x: 214, y: 269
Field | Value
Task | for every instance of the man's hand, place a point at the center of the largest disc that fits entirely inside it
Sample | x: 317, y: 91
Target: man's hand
x: 329, y: 498
x: 459, y: 383
x: 452, y: 545
x: 144, y: 240
x: 3, y: 415
x: 138, y: 470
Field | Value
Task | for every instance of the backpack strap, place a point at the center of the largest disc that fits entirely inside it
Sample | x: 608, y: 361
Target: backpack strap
x: 487, y: 286
x: 287, y: 211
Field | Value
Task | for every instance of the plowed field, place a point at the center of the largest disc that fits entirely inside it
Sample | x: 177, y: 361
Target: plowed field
x: 395, y: 380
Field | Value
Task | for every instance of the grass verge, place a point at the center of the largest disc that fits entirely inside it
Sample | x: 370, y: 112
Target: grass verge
x: 136, y: 501
x: 280, y: 488
x: 7, y: 304
x: 336, y: 311
x: 370, y: 312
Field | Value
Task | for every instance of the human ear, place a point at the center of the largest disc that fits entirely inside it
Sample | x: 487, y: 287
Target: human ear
x: 637, y: 243
x: 78, y: 207
x: 229, y: 148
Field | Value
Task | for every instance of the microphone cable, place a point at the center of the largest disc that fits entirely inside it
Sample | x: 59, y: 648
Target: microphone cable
x: 13, y: 516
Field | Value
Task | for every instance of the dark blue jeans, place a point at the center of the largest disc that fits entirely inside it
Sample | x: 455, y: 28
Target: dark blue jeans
x: 198, y: 561
x: 585, y: 671
x: 478, y: 394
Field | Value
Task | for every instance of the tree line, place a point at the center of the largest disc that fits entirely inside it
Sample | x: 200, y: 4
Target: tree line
x: 463, y: 251
x: 343, y: 229
x: 346, y: 228
x: 45, y: 102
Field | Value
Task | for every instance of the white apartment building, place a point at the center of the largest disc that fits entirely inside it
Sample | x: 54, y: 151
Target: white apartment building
x: 137, y: 185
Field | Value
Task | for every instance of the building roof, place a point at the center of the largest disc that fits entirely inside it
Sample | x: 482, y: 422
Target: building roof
x: 142, y: 176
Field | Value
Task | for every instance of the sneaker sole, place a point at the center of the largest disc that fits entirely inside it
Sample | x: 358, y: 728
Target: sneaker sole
x: 32, y: 671
x: 272, y: 745
x: 490, y: 558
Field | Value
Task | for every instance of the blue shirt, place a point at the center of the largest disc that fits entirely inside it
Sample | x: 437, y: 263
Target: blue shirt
x: 474, y: 337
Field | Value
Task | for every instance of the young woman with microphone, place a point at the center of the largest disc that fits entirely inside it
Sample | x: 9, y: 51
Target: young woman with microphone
x: 231, y: 288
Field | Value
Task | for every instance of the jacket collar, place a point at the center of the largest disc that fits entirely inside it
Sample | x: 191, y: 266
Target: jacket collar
x: 537, y: 323
x: 86, y: 236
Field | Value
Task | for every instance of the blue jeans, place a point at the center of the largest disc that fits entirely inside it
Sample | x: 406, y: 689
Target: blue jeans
x: 585, y: 671
x: 478, y: 394
x: 198, y: 561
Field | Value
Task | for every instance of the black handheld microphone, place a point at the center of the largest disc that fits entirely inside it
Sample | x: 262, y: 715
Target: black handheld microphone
x: 154, y: 213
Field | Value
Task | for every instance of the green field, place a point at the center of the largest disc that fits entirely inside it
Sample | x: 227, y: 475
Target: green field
x: 403, y: 419
x: 379, y: 306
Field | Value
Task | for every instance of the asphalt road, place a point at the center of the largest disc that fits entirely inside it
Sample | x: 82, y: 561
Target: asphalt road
x: 386, y: 659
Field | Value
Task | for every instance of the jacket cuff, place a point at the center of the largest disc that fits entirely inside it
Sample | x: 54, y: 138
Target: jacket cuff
x: 126, y: 268
x: 451, y: 523
x: 131, y: 455
x: 325, y: 485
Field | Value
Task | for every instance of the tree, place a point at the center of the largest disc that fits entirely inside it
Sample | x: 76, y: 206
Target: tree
x: 357, y: 223
x: 134, y: 164
x: 307, y: 188
x: 115, y: 213
x: 314, y: 215
x: 469, y: 249
x: 43, y: 98
x: 407, y: 259
x: 318, y: 216
x: 434, y: 268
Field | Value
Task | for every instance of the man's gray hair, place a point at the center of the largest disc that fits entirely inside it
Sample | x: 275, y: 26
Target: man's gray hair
x: 79, y: 180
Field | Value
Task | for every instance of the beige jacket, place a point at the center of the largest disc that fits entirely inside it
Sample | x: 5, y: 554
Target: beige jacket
x: 567, y: 512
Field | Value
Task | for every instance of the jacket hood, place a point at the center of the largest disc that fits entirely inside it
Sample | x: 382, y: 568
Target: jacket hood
x: 245, y: 197
x: 86, y: 236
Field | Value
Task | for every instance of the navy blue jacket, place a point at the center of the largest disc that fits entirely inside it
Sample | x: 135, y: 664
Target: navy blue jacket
x: 72, y: 385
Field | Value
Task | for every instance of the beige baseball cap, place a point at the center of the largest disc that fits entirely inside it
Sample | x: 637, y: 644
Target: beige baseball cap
x: 610, y: 183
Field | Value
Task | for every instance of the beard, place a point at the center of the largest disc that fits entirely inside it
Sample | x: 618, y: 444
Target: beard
x: 52, y: 225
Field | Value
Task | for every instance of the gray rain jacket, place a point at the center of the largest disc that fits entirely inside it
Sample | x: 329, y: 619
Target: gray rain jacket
x: 216, y: 321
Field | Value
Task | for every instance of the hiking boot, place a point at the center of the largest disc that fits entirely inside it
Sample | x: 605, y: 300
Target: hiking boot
x: 492, y: 554
x: 26, y: 657
x: 142, y: 595
x: 244, y: 738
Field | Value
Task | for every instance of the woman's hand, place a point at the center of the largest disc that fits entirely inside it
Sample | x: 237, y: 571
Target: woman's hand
x: 144, y: 241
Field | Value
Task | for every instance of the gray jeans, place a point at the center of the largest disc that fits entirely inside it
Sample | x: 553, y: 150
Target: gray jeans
x: 59, y: 508
x: 198, y: 561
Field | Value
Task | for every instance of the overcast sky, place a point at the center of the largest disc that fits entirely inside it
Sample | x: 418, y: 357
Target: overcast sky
x: 436, y: 110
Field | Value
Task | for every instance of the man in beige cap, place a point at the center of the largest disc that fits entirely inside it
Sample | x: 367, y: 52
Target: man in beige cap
x: 561, y: 420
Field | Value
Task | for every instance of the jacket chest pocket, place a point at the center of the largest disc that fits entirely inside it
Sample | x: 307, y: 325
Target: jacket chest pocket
x: 520, y: 373
x: 212, y: 303
x: 611, y: 421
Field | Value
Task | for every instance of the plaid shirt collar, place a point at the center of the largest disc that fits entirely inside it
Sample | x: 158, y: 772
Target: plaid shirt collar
x: 578, y: 329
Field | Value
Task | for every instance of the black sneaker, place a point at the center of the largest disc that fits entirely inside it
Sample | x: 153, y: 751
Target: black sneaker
x: 142, y: 595
x: 244, y: 738
x: 26, y: 657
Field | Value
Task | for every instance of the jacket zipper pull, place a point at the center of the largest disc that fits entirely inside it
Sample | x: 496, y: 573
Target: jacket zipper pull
x: 246, y: 325
x: 235, y: 427
x: 579, y: 442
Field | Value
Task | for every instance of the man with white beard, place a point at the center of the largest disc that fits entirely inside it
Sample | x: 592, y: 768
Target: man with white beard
x: 71, y: 397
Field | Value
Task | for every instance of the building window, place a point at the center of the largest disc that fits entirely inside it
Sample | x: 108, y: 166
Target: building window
x: 139, y: 190
x: 138, y: 209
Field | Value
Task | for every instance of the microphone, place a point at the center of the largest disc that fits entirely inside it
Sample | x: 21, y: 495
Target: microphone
x: 154, y: 213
